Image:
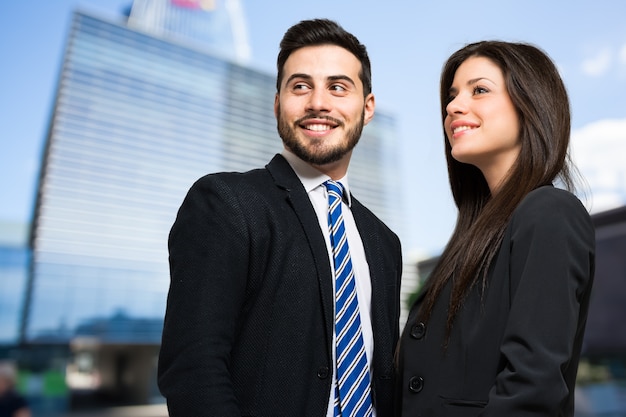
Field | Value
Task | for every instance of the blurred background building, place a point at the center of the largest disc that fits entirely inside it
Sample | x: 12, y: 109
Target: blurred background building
x: 144, y: 106
x: 14, y: 261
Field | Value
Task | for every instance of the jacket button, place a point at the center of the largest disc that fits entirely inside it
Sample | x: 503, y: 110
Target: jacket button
x: 418, y: 331
x: 416, y: 384
x: 322, y: 372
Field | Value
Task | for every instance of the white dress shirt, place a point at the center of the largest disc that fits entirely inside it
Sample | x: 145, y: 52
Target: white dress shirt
x: 313, y: 182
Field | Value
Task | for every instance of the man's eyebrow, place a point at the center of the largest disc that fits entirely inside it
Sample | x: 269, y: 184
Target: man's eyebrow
x: 308, y: 77
x: 341, y: 77
x: 298, y: 75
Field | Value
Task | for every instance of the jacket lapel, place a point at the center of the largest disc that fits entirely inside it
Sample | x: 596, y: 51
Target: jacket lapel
x: 295, y: 195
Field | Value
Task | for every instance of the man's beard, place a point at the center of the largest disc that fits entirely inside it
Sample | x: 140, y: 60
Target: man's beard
x: 317, y: 153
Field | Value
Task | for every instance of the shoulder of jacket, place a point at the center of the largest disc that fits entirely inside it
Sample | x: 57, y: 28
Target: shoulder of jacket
x: 549, y: 197
x: 231, y: 178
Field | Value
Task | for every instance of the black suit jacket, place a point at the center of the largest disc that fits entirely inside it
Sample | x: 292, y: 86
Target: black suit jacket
x: 514, y: 352
x: 249, y: 320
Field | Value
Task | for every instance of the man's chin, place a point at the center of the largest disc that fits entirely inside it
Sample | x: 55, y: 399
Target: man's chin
x: 318, y: 158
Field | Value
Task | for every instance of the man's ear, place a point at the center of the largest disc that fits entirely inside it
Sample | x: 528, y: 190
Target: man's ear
x: 276, y: 105
x: 368, y: 111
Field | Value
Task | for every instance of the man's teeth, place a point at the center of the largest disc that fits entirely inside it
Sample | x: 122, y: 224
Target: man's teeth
x: 318, y: 128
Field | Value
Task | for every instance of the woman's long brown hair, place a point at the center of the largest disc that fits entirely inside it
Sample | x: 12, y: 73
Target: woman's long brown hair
x: 540, y: 98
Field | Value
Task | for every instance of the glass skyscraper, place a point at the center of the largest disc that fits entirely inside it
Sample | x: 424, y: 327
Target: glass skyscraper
x: 136, y: 120
x: 215, y: 25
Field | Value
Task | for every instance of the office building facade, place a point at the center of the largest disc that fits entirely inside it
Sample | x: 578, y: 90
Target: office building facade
x: 214, y: 25
x: 136, y: 120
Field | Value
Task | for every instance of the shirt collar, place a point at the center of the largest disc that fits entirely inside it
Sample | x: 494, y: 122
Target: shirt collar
x: 312, y: 178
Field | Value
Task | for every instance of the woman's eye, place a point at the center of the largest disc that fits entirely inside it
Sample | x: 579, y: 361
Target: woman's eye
x: 480, y: 90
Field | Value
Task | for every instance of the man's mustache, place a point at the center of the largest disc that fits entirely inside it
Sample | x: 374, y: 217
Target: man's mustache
x: 319, y: 116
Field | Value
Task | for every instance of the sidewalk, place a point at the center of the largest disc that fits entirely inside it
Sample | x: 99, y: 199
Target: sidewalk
x: 156, y: 410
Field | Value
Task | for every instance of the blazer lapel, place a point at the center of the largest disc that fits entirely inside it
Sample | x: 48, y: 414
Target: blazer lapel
x: 295, y: 195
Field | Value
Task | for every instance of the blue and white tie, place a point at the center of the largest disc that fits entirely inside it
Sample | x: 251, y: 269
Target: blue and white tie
x: 352, y: 396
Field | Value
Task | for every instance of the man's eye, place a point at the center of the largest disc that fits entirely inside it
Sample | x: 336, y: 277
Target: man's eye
x: 337, y: 87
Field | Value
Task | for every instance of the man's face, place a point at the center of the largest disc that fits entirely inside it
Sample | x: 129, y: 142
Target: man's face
x: 320, y: 108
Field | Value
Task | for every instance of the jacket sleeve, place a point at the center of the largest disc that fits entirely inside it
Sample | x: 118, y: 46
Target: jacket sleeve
x: 551, y: 271
x: 208, y: 268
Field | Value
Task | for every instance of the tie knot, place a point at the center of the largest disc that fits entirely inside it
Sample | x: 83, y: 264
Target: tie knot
x: 334, y: 188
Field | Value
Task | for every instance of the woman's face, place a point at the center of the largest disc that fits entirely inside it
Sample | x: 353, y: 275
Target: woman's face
x: 482, y: 125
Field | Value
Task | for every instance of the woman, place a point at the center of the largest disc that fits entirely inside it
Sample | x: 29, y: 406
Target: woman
x: 497, y: 329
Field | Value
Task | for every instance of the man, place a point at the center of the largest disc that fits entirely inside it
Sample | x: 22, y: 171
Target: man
x: 250, y: 322
x: 12, y: 403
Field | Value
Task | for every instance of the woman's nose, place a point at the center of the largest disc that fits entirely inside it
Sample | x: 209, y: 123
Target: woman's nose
x: 457, y: 105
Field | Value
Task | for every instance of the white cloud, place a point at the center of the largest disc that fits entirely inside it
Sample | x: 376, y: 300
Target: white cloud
x: 599, y: 64
x: 598, y: 150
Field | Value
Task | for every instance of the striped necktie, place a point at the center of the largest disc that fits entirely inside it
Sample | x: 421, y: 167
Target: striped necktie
x: 352, y: 396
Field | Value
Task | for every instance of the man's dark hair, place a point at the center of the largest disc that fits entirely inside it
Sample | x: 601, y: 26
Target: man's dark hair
x: 323, y: 32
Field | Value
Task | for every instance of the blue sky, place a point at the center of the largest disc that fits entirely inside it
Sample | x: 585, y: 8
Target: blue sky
x: 408, y: 42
